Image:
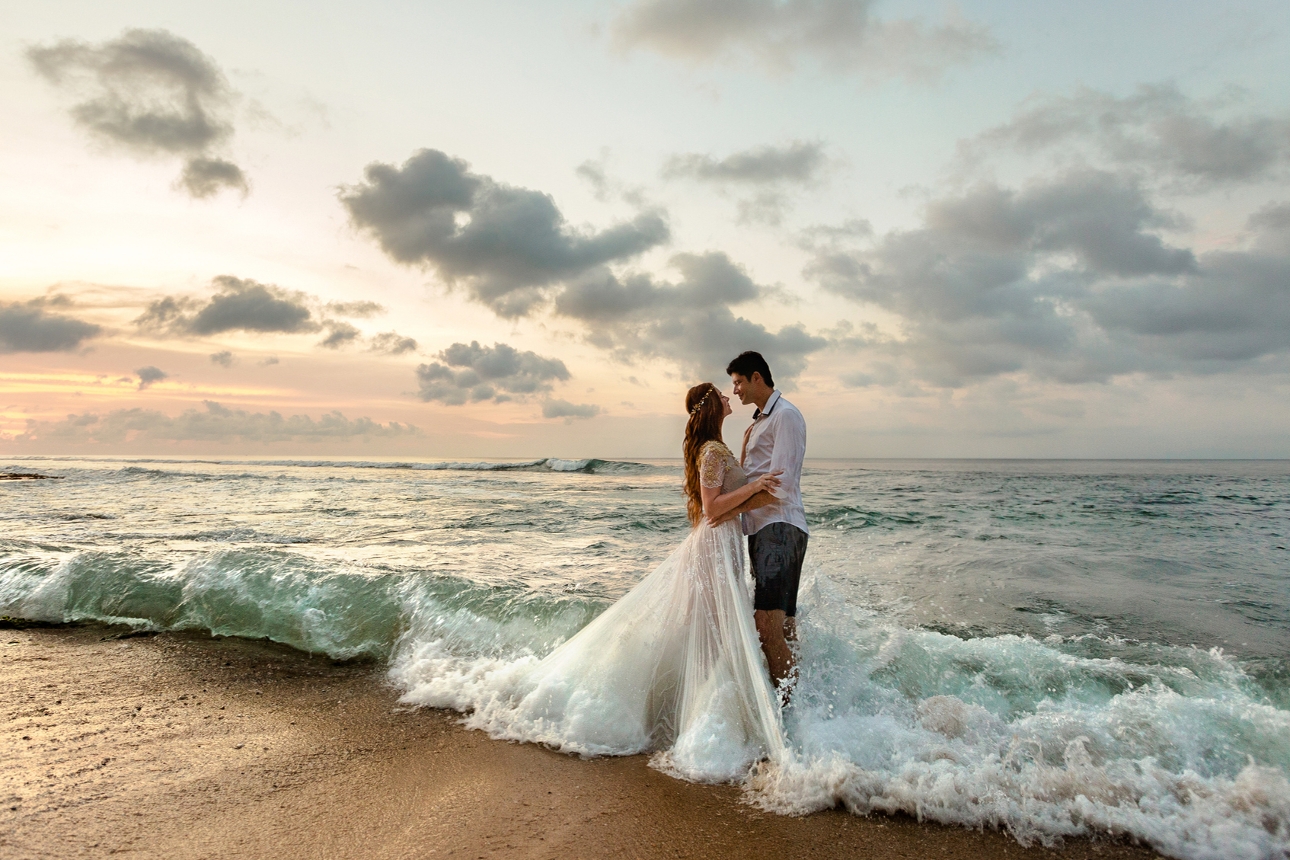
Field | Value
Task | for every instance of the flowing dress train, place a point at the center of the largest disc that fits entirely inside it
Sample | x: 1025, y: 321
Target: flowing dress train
x: 674, y: 667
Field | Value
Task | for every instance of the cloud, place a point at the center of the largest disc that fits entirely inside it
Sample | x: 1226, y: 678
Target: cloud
x: 689, y: 322
x: 842, y: 36
x: 594, y: 174
x: 1234, y: 309
x: 512, y: 251
x: 206, y: 177
x: 149, y: 375
x: 770, y: 170
x: 1271, y: 228
x: 151, y: 93
x: 507, y: 246
x: 339, y: 334
x: 215, y: 423
x: 28, y: 327
x: 224, y: 358
x: 469, y: 373
x: 361, y: 309
x: 1157, y: 128
x: 391, y: 343
x: 238, y: 305
x: 796, y: 162
x: 568, y: 411
x: 1066, y: 279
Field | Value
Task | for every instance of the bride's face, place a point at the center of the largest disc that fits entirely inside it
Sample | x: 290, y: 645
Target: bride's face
x: 725, y: 405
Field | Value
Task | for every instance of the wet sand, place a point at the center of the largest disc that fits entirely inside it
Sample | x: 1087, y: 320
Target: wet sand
x: 181, y: 745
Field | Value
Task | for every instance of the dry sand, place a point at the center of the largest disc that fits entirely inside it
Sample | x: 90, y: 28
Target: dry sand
x: 182, y: 746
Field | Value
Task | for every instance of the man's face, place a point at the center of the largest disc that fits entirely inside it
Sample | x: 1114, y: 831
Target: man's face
x: 742, y: 386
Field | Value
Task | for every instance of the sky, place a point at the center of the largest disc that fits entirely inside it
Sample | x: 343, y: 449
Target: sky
x: 447, y: 230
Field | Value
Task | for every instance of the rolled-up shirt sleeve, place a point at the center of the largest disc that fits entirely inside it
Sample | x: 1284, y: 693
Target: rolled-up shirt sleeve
x: 789, y: 451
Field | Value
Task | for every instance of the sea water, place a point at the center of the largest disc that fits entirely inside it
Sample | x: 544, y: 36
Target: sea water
x: 1056, y: 648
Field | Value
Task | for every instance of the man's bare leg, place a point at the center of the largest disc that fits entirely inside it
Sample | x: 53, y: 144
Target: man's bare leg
x: 770, y: 628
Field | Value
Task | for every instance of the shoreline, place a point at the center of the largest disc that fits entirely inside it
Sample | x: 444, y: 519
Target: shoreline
x: 184, y: 745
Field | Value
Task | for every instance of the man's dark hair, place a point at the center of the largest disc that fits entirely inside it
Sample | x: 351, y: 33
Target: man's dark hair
x: 747, y: 363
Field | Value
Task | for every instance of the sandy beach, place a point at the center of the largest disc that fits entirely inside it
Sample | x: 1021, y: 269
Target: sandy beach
x: 181, y: 745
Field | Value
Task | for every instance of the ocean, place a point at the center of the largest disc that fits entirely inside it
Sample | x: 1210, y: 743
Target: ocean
x: 1056, y: 648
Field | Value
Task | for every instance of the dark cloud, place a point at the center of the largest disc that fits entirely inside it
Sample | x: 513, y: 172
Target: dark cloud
x: 689, y: 322
x: 506, y: 245
x: 1062, y: 280
x: 1235, y: 308
x: 28, y: 327
x: 392, y: 343
x: 224, y: 358
x: 840, y: 35
x: 512, y: 250
x: 150, y: 375
x: 1157, y: 128
x: 215, y: 423
x: 206, y: 177
x: 797, y: 162
x: 339, y: 334
x: 470, y: 372
x: 238, y: 305
x: 152, y: 93
x: 568, y: 411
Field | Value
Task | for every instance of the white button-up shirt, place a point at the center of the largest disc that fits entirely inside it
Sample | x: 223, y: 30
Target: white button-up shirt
x: 777, y: 442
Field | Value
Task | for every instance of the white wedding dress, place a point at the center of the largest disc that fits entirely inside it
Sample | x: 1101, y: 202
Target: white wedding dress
x: 674, y: 667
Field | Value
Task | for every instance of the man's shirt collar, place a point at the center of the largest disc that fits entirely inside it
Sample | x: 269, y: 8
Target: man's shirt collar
x: 770, y: 405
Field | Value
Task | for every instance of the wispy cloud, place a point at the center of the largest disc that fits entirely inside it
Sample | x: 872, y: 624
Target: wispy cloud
x: 841, y: 36
x: 214, y: 423
x: 151, y: 93
x: 770, y: 172
x: 569, y: 411
x: 1157, y: 129
x: 797, y: 162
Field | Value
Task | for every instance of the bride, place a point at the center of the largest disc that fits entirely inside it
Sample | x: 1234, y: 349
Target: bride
x: 675, y: 666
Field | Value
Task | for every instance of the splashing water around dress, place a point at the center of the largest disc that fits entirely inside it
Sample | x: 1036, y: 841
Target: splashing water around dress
x: 675, y: 666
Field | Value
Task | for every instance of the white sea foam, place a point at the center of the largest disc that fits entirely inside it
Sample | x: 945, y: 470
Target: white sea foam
x: 1005, y: 732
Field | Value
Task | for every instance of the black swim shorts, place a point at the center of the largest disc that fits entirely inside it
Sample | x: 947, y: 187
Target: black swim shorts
x: 777, y: 552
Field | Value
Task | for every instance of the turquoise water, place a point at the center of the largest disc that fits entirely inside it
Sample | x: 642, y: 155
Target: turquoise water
x: 1055, y: 648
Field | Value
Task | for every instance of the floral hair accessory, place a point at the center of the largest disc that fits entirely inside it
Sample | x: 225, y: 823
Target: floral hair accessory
x: 702, y: 400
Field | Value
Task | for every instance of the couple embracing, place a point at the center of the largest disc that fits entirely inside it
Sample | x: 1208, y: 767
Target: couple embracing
x: 676, y: 667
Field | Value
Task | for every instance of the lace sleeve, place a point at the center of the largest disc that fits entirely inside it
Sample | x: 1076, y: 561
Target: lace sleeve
x: 712, y: 466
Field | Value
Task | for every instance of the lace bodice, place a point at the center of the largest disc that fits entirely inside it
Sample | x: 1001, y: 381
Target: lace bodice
x: 719, y: 468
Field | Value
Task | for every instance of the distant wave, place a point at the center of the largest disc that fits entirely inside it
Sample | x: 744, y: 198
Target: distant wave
x: 588, y: 465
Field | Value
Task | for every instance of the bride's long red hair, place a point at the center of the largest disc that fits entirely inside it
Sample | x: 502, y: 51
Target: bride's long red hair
x: 703, y: 403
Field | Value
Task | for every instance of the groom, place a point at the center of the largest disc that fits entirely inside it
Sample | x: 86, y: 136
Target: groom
x: 777, y: 532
